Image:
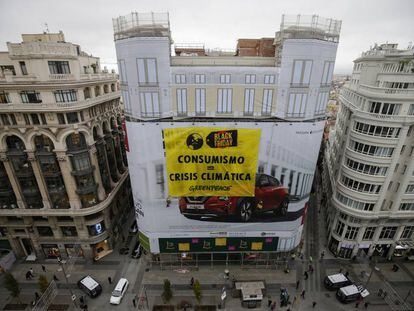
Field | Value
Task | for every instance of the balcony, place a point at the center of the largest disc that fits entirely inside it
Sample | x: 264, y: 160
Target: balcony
x: 80, y: 104
x: 375, y: 116
x: 385, y: 93
x: 98, y: 76
x: 62, y: 77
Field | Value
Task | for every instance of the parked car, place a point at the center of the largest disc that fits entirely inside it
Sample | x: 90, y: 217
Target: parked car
x: 336, y: 281
x: 91, y: 287
x: 134, y: 227
x: 351, y: 293
x: 119, y: 291
x: 270, y: 196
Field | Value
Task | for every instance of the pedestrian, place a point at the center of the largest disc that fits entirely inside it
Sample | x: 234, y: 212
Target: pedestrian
x: 134, y: 302
x: 43, y: 268
x: 85, y: 307
x: 55, y: 278
x: 269, y: 301
x: 28, y: 276
x: 322, y: 254
x: 294, y: 300
x: 303, y: 294
x: 366, y: 305
x: 313, y: 304
x: 37, y: 296
x: 31, y: 272
x: 273, y: 306
x: 306, y: 275
x: 297, y: 284
x: 310, y: 259
x: 192, y: 282
x: 357, y: 304
x: 109, y: 280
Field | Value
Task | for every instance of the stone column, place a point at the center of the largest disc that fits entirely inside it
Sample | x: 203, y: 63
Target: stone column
x: 97, y: 173
x: 68, y: 180
x: 39, y: 178
x: 13, y: 180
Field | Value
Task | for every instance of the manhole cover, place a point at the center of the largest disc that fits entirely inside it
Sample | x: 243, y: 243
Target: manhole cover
x: 327, y: 295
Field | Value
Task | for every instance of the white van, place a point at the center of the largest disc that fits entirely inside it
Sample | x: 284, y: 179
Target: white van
x: 119, y: 291
x: 351, y: 293
x: 336, y: 281
x: 90, y: 286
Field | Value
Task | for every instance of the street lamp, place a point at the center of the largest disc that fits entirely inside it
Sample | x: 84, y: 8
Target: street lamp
x: 372, y: 270
x: 72, y: 296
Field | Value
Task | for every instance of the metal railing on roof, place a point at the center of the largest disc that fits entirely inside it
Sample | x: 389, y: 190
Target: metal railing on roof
x: 141, y: 25
x: 309, y: 26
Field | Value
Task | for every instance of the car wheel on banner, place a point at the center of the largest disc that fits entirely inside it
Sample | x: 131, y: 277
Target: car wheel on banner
x: 245, y: 210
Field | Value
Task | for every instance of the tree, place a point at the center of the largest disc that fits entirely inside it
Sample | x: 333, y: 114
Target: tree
x: 12, y: 285
x: 197, y: 290
x: 43, y: 283
x: 167, y: 293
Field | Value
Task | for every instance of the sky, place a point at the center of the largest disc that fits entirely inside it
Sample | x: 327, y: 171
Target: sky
x: 216, y: 23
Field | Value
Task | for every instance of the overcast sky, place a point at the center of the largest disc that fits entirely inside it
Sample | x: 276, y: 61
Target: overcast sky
x: 216, y: 23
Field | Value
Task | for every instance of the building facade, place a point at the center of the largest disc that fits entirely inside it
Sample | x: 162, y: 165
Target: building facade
x: 369, y: 166
x: 282, y: 79
x: 63, y: 167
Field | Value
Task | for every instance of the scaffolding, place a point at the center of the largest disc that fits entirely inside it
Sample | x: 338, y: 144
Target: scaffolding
x: 309, y: 27
x: 141, y: 25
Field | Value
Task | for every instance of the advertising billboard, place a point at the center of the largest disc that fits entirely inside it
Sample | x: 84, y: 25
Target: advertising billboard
x: 206, y: 161
x: 190, y: 194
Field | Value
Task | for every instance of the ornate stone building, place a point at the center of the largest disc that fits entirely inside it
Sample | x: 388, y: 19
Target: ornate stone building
x: 64, y: 185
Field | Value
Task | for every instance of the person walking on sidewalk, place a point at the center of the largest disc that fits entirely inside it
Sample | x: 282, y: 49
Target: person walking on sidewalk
x: 37, y: 296
x: 269, y: 301
x: 43, y: 268
x: 313, y: 304
x: 322, y: 254
x: 306, y: 275
x: 192, y: 282
x: 55, y: 278
x: 109, y: 280
x: 302, y: 294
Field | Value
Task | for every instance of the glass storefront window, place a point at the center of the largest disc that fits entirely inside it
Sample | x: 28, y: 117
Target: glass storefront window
x: 74, y: 250
x: 96, y: 229
x: 51, y: 250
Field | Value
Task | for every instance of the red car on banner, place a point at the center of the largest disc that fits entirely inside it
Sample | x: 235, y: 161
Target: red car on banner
x: 270, y: 196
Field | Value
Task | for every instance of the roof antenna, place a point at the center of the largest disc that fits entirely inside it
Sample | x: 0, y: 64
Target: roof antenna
x: 46, y: 28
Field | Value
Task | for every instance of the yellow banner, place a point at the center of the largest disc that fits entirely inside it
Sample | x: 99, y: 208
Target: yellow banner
x: 208, y: 161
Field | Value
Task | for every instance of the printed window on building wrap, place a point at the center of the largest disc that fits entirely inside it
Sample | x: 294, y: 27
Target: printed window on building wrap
x: 200, y: 102
x: 297, y: 105
x: 327, y: 73
x: 181, y: 102
x: 147, y: 71
x: 224, y: 101
x: 150, y: 106
x: 249, y: 101
x: 267, y: 102
x: 200, y: 79
x: 269, y: 79
x: 59, y: 67
x: 301, y: 73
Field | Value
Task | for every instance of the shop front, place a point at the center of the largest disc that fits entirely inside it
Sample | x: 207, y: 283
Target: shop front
x: 346, y: 250
x: 74, y: 250
x: 51, y: 251
x: 101, y: 249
